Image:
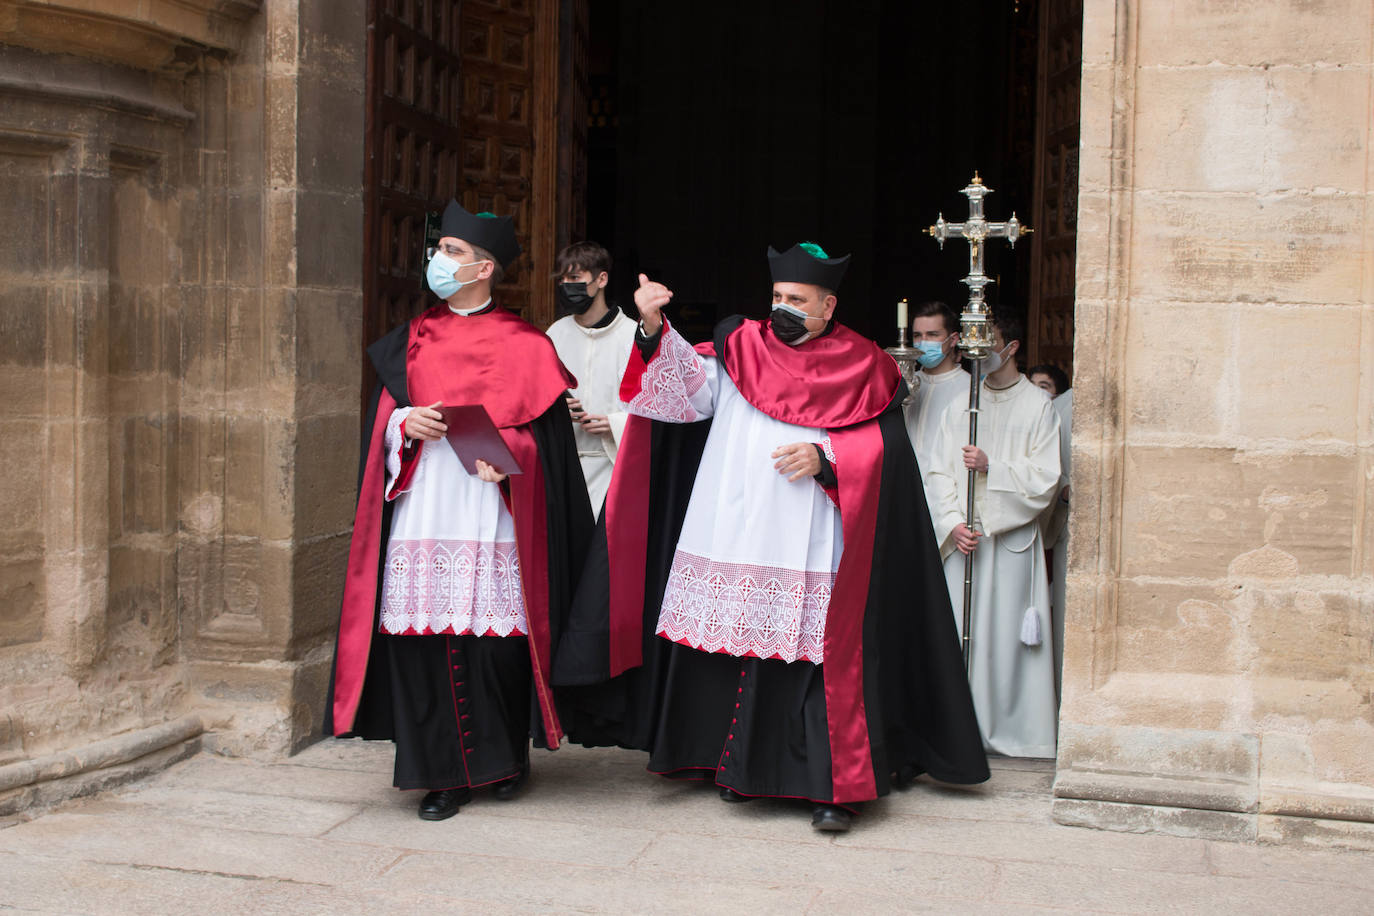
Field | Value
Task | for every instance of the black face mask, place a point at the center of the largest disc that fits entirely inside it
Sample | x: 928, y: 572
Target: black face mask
x: 788, y: 327
x: 574, y: 297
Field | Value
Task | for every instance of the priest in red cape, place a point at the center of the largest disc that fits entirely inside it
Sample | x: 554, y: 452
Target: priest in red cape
x: 458, y: 583
x: 778, y: 619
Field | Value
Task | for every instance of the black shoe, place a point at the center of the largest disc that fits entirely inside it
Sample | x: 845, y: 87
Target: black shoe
x: 444, y: 803
x: 507, y: 789
x: 830, y: 819
x: 730, y: 795
x: 905, y: 776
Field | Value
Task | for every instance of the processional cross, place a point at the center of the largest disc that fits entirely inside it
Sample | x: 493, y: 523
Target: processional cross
x: 975, y: 338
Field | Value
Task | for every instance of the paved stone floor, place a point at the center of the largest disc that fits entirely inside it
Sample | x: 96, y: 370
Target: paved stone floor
x: 324, y: 832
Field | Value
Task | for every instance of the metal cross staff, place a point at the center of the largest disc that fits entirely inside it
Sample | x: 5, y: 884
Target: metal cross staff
x: 975, y: 337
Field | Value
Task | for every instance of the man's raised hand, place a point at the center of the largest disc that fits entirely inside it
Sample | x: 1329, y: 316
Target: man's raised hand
x: 426, y: 423
x: 650, y: 299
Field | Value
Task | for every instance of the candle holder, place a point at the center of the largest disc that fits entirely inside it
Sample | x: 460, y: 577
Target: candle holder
x: 908, y: 362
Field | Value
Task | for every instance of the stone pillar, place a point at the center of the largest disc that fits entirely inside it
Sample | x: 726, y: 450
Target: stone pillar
x: 89, y: 349
x: 271, y: 446
x: 1218, y: 662
x: 180, y: 313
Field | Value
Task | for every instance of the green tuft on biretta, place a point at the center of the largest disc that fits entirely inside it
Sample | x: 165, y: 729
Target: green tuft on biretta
x: 816, y: 251
x: 487, y: 215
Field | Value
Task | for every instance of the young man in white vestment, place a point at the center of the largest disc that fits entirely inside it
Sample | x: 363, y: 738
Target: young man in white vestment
x: 1016, y: 460
x: 593, y: 340
x: 935, y: 332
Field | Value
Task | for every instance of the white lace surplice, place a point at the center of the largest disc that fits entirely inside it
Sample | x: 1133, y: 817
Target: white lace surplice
x: 451, y: 561
x: 755, y: 563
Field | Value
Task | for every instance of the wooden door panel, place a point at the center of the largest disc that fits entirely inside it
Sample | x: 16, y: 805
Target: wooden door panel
x: 1059, y: 82
x: 509, y: 52
x: 413, y: 146
x: 463, y: 101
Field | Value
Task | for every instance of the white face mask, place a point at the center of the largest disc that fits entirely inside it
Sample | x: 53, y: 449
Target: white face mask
x: 996, y: 360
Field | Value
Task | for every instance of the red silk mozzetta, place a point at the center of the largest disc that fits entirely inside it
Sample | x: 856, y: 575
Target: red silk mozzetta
x: 837, y: 380
x: 495, y: 359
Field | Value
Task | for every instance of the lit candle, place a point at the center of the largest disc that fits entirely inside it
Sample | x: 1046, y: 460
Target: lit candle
x: 901, y: 314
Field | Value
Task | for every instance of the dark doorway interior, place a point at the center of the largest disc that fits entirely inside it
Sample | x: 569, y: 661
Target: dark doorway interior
x: 719, y: 128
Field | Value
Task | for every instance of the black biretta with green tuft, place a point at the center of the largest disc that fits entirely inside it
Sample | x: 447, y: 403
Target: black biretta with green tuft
x: 485, y: 230
x: 807, y: 262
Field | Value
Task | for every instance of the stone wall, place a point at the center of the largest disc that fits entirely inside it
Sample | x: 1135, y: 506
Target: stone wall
x: 180, y: 313
x: 1219, y: 677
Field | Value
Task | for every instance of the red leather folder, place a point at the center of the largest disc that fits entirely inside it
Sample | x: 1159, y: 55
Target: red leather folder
x: 473, y: 435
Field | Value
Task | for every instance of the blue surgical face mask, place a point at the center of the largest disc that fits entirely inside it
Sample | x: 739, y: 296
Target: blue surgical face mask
x: 440, y: 275
x: 932, y: 352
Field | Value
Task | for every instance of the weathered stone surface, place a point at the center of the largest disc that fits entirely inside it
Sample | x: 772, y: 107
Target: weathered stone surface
x: 1162, y: 381
x: 1329, y: 410
x: 1311, y: 253
x: 1135, y: 817
x: 1239, y: 129
x: 1190, y: 32
x: 587, y: 815
x: 1301, y: 504
x: 1222, y: 421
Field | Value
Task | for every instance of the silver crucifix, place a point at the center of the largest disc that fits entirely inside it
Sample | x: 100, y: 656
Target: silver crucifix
x: 975, y: 337
x: 973, y: 333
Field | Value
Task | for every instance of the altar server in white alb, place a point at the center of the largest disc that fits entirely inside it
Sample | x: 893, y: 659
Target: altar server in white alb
x: 593, y: 340
x: 1017, y: 464
x: 935, y: 332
